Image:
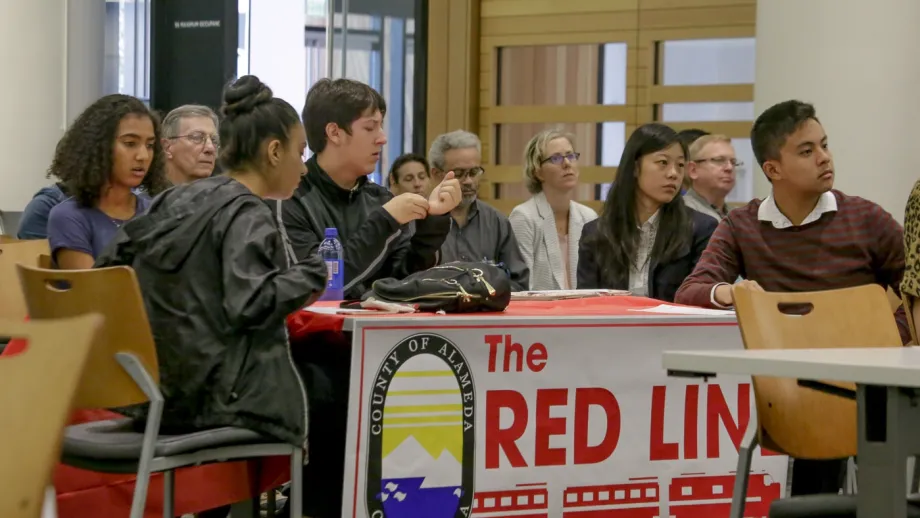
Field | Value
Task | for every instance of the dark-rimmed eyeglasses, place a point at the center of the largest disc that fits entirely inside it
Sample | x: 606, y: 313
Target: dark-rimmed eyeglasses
x: 198, y: 138
x: 558, y: 159
x: 473, y: 172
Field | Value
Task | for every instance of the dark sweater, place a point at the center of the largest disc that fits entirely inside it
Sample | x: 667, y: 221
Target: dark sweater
x: 858, y: 244
x: 664, y: 277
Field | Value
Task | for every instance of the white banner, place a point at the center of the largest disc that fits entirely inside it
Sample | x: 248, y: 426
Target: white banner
x: 546, y: 420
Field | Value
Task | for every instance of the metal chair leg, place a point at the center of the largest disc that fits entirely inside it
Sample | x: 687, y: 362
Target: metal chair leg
x: 743, y: 470
x: 169, y: 494
x: 270, y: 503
x: 295, y: 500
x: 915, y: 476
x: 49, y: 507
x: 849, y: 487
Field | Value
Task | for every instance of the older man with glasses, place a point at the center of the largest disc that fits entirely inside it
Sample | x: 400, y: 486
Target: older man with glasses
x: 711, y: 170
x: 478, y: 231
x: 190, y: 142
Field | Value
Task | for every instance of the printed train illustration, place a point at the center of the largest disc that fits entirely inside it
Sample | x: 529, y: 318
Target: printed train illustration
x: 691, y: 495
x: 525, y: 501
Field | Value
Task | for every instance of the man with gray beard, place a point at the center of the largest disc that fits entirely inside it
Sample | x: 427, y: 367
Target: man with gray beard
x: 478, y: 232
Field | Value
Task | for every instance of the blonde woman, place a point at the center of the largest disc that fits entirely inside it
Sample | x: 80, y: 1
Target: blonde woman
x: 548, y: 225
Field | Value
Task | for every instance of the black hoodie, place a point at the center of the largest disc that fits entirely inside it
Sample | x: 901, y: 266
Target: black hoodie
x: 217, y: 288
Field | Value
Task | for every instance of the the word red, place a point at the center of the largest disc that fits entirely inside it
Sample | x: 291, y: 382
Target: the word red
x: 505, y: 440
x: 513, y: 354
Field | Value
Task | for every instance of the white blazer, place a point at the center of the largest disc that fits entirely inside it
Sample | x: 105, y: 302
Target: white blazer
x: 534, y: 228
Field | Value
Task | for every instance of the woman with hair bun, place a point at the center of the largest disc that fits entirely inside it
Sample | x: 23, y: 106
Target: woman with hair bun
x: 218, y: 284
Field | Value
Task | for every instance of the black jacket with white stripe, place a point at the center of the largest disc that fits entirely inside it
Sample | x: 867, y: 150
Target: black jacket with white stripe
x: 375, y: 245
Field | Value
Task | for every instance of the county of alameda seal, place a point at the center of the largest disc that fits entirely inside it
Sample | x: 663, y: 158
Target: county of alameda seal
x: 422, y: 438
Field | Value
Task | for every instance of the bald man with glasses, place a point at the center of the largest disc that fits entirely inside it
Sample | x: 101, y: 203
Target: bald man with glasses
x: 478, y: 232
x: 711, y: 171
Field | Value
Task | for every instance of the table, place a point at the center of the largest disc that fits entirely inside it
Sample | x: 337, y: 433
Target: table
x: 887, y: 381
x: 549, y: 409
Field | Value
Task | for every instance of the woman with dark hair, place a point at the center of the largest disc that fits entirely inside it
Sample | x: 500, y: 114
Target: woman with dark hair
x: 107, y: 155
x: 218, y: 282
x: 646, y: 240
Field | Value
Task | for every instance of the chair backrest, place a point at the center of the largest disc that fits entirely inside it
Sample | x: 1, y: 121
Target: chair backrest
x: 803, y: 422
x: 12, y: 305
x: 113, y: 293
x: 44, y: 261
x: 37, y: 389
x: 893, y: 299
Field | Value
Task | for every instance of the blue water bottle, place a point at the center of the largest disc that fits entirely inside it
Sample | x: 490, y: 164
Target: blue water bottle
x: 333, y: 254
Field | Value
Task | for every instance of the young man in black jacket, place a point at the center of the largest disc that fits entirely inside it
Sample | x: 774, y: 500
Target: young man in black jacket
x: 344, y: 123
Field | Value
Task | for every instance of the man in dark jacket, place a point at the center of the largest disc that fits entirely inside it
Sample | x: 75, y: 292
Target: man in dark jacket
x: 344, y: 124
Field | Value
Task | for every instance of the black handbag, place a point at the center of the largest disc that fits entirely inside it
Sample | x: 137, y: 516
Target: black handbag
x: 453, y: 288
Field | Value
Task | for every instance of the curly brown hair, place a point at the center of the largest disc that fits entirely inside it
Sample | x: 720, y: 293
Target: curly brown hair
x: 83, y: 157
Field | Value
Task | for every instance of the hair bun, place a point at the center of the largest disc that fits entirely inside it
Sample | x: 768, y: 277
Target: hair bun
x: 244, y: 95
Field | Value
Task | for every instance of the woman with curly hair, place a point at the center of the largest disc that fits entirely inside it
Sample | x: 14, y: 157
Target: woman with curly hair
x: 109, y: 162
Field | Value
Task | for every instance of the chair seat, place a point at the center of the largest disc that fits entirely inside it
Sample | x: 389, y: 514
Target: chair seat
x: 827, y: 506
x: 117, y: 440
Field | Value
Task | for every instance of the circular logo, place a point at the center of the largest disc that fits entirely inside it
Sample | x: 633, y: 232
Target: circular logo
x: 422, y: 435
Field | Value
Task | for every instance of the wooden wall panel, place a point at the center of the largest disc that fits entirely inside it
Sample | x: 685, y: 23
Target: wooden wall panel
x: 500, y: 8
x: 544, y: 58
x: 538, y: 66
x: 669, y: 20
x: 453, y: 66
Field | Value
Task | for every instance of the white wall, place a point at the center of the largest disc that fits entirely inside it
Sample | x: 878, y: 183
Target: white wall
x: 31, y: 95
x: 276, y: 48
x: 46, y: 84
x: 85, y: 54
x: 852, y: 60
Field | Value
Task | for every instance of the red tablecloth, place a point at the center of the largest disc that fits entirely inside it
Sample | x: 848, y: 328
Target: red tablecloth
x: 88, y: 494
x: 306, y: 322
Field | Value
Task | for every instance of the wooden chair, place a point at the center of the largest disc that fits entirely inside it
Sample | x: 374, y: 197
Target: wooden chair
x: 893, y: 299
x: 37, y: 390
x: 798, y: 421
x: 125, y: 372
x: 12, y: 305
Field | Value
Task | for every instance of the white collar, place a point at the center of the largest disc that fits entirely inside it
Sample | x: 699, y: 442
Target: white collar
x: 651, y: 222
x: 768, y: 211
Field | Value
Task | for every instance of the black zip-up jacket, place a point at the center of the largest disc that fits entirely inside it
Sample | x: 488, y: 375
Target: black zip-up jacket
x: 217, y: 288
x: 375, y: 245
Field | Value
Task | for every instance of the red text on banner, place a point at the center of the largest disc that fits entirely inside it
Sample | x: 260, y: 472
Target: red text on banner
x: 505, y: 440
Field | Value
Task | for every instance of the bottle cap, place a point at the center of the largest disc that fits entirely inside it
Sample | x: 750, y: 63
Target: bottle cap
x: 332, y: 232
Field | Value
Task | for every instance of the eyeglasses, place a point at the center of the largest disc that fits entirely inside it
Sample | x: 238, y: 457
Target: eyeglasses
x: 198, y: 138
x: 721, y: 161
x: 558, y: 159
x: 473, y: 172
